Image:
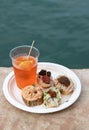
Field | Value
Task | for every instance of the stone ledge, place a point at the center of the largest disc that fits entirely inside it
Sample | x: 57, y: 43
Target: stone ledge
x: 76, y: 117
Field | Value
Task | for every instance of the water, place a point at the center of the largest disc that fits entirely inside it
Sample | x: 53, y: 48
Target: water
x: 59, y: 27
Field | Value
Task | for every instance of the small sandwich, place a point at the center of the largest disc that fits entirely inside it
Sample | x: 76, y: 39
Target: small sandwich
x: 32, y: 95
x: 65, y: 84
x: 52, y: 97
x: 45, y: 79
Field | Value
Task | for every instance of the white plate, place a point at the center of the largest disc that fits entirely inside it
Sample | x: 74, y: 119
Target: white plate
x: 13, y: 93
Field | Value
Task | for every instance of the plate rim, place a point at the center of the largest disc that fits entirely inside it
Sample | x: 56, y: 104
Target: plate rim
x: 48, y: 110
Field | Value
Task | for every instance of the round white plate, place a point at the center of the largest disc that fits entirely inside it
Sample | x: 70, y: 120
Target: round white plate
x: 13, y: 94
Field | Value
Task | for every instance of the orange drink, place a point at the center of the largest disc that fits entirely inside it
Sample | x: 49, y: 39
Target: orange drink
x: 25, y: 67
x: 25, y: 71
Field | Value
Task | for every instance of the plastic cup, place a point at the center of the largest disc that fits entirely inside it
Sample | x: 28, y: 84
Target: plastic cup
x: 24, y: 66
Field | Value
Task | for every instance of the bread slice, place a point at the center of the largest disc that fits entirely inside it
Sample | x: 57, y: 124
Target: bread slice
x: 52, y: 97
x: 32, y: 95
x: 44, y: 79
x: 65, y: 84
x: 43, y: 84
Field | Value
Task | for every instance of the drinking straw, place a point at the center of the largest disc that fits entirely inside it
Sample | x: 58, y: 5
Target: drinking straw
x: 31, y: 48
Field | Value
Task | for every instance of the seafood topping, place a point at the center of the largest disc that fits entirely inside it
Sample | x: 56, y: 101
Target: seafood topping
x: 64, y: 80
x: 44, y: 72
x: 46, y: 79
x: 49, y: 74
x: 52, y: 93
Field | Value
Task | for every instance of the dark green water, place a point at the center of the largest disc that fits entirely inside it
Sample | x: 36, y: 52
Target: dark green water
x: 59, y: 27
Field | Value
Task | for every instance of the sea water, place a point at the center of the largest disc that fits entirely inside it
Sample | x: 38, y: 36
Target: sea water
x: 59, y: 27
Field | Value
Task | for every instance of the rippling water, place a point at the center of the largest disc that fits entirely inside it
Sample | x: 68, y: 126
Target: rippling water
x: 60, y: 29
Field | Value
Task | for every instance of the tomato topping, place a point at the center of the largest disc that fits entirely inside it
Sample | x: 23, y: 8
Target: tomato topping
x: 52, y: 93
x: 46, y: 79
